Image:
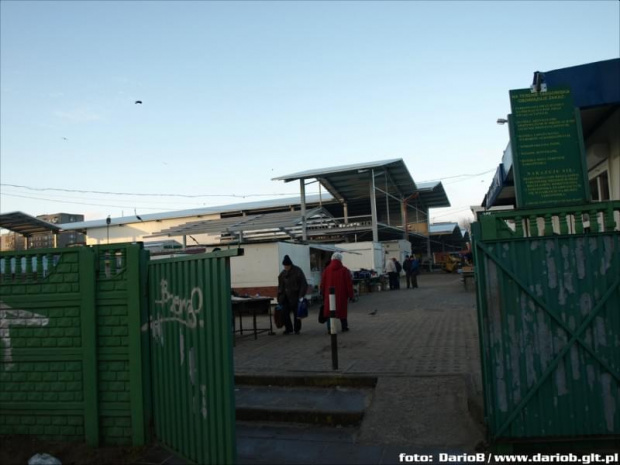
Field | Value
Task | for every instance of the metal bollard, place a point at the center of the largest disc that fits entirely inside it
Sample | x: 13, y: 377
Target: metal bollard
x: 332, y: 327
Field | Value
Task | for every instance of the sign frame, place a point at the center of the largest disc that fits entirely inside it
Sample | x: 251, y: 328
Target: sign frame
x: 578, y: 195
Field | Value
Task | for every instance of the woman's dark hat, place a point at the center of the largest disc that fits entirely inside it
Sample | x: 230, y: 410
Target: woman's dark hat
x: 287, y: 261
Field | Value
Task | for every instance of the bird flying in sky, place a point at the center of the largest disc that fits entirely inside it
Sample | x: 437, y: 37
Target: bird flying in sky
x: 138, y: 102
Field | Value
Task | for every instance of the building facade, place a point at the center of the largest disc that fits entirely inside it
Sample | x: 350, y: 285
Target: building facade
x: 595, y: 90
x: 44, y: 240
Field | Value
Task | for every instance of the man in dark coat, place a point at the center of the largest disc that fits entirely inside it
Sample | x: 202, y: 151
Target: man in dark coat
x: 407, y: 268
x: 415, y: 271
x: 338, y: 276
x: 292, y: 287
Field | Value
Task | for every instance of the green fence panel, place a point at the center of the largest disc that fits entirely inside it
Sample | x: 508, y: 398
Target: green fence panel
x: 120, y: 300
x: 71, y: 365
x: 191, y: 356
x: 549, y: 318
x: 47, y: 351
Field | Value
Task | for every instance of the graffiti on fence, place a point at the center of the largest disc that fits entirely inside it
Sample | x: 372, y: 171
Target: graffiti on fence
x: 14, y: 317
x: 184, y: 311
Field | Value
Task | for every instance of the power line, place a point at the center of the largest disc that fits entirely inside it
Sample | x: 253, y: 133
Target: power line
x: 131, y: 201
x: 78, y: 191
x: 461, y: 176
x: 77, y: 203
x: 450, y: 213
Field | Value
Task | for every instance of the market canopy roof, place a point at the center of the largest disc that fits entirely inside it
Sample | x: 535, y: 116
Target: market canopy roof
x: 288, y: 223
x: 348, y: 183
x: 450, y: 229
x: 433, y: 194
x: 25, y: 224
x: 351, y: 182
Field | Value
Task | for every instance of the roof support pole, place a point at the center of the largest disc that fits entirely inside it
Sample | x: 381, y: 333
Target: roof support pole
x: 184, y: 242
x: 373, y: 208
x: 345, y: 207
x: 304, y: 232
x: 403, y: 215
x: 428, y: 241
x: 387, y: 200
x: 55, y: 240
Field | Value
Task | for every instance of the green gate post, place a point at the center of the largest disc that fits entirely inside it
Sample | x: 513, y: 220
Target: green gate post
x: 134, y: 310
x: 89, y: 345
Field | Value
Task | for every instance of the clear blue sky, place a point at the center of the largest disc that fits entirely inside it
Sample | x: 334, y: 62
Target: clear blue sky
x: 236, y: 93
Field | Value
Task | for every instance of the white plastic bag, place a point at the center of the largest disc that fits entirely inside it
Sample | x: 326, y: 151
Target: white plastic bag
x: 43, y: 459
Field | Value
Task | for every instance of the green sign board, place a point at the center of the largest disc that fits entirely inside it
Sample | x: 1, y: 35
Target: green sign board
x: 548, y: 155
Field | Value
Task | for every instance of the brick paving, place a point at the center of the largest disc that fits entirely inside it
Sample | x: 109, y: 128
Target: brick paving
x: 431, y: 330
x: 421, y: 344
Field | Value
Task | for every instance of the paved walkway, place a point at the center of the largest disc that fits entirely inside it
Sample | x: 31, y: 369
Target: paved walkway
x: 431, y: 330
x: 421, y: 344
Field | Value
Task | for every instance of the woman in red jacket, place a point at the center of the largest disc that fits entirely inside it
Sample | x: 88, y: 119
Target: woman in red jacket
x: 338, y: 276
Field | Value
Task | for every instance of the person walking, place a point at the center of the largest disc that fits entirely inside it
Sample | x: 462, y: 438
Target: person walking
x: 292, y: 287
x: 338, y: 276
x: 415, y: 271
x: 390, y: 269
x: 399, y: 268
x: 407, y: 268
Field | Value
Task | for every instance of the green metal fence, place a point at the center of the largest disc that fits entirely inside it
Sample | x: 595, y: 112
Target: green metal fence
x: 70, y: 353
x: 191, y: 356
x: 549, y: 314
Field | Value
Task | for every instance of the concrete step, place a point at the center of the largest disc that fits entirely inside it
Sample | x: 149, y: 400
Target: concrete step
x: 315, y: 380
x: 331, y: 406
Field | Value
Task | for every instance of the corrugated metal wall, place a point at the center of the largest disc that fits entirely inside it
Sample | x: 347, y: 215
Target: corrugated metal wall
x: 549, y: 314
x: 191, y: 356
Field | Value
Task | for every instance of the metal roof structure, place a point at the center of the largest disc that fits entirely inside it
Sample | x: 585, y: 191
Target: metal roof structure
x: 258, y: 226
x: 237, y: 207
x: 444, y: 228
x: 448, y: 236
x: 433, y: 194
x: 351, y: 182
x: 25, y: 224
x: 382, y: 191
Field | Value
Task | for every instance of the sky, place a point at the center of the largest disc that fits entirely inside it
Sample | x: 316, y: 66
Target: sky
x: 237, y: 93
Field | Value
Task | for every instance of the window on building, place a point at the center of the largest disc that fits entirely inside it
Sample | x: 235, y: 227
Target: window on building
x: 599, y: 187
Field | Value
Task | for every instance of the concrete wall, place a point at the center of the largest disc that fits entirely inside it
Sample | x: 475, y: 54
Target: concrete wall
x: 71, y: 367
x: 135, y: 232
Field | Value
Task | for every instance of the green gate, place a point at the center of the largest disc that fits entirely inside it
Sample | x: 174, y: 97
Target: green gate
x: 549, y: 319
x: 191, y: 356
